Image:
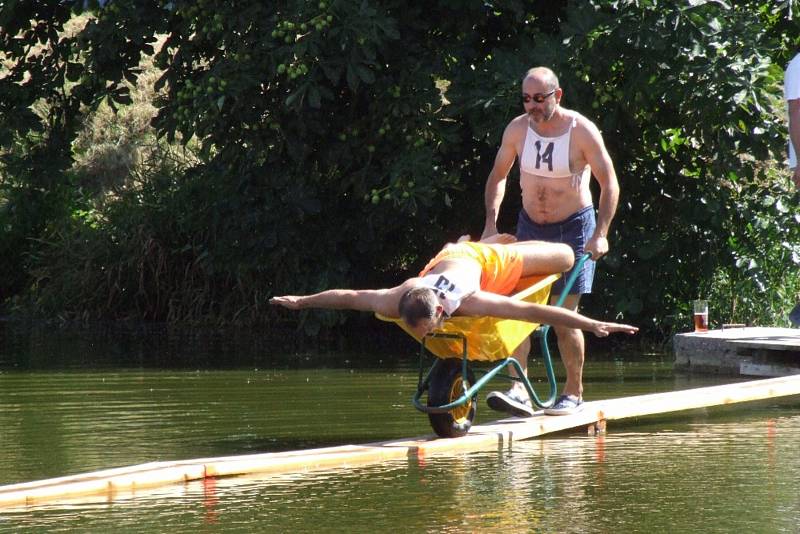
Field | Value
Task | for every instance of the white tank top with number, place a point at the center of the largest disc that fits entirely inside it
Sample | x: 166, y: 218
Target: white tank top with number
x: 547, y: 156
x: 450, y: 292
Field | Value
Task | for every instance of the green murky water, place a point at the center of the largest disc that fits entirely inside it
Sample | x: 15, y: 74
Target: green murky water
x: 717, y: 470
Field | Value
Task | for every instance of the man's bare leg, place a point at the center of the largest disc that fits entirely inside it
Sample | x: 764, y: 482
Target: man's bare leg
x: 496, y: 239
x: 571, y: 347
x: 542, y: 257
x: 538, y: 257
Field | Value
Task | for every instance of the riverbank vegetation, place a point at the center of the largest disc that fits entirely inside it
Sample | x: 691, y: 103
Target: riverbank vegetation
x: 184, y: 161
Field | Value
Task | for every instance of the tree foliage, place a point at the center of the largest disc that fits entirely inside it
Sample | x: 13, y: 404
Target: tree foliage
x: 341, y: 142
x: 689, y: 111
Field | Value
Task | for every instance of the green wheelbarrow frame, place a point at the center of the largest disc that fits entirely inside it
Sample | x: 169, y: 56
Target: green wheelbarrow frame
x: 444, y: 422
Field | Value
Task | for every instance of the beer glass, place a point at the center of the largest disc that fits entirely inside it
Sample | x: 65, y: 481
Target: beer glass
x: 700, y: 315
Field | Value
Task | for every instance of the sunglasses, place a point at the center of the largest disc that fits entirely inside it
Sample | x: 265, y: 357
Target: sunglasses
x: 538, y: 97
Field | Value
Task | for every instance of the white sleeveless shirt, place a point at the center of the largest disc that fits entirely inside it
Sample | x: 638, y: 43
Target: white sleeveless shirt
x: 449, y: 293
x: 548, y: 157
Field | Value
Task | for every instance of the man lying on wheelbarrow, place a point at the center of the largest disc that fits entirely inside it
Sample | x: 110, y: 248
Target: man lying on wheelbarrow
x: 466, y: 278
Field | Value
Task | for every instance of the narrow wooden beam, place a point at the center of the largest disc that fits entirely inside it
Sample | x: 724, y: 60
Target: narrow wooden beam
x: 123, y: 482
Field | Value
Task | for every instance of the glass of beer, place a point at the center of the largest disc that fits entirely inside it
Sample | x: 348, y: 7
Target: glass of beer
x: 700, y: 315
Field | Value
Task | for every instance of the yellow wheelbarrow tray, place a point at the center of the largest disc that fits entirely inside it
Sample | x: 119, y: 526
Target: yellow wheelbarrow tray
x: 452, y: 399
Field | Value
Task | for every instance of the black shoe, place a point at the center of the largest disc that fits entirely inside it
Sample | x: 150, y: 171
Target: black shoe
x: 510, y: 402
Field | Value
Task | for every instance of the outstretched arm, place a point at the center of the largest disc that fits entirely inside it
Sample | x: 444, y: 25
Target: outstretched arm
x: 337, y: 299
x: 482, y: 303
x: 382, y: 301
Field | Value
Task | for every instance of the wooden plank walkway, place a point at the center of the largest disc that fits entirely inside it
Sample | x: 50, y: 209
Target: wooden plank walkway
x: 112, y: 484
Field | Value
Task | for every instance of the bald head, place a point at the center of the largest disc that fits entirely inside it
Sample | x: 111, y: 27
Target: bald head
x: 542, y: 75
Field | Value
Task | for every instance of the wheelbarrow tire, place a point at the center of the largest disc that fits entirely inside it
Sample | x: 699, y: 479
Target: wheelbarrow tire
x: 447, y: 385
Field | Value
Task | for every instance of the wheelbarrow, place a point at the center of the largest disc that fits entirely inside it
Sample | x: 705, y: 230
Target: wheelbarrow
x: 466, y: 342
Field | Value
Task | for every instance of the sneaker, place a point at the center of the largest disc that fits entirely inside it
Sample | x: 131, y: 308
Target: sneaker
x: 794, y: 315
x: 565, y: 405
x: 510, y: 402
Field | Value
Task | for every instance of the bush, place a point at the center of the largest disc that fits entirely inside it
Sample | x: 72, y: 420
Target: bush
x: 298, y: 146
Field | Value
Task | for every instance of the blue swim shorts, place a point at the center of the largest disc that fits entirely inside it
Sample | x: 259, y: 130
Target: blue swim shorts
x: 575, y: 231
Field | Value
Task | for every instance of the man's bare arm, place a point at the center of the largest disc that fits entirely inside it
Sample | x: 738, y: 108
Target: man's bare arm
x: 489, y: 304
x: 603, y: 170
x: 382, y: 301
x: 496, y: 183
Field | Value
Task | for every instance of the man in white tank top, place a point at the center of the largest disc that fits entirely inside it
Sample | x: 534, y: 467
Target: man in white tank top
x: 558, y: 150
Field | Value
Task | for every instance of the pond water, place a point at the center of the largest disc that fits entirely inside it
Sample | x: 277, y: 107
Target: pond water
x: 715, y: 470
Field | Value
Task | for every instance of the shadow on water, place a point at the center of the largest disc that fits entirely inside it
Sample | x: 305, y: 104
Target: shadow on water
x: 370, y: 344
x: 73, y: 401
x: 159, y: 346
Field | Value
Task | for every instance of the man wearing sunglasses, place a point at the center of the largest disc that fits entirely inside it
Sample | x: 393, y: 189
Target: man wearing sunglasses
x: 558, y: 151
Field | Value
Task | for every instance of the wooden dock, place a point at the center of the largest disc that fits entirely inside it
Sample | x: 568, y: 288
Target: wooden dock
x: 749, y: 351
x: 114, y: 484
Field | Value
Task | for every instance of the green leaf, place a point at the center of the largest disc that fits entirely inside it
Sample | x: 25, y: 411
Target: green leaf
x: 314, y: 99
x: 366, y: 75
x: 352, y: 78
x: 74, y: 71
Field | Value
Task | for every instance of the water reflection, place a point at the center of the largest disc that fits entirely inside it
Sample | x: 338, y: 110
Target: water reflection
x: 63, y: 423
x: 716, y: 470
x: 158, y: 346
x: 715, y: 477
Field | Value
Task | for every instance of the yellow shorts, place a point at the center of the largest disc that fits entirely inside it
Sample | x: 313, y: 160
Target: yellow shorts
x: 501, y: 265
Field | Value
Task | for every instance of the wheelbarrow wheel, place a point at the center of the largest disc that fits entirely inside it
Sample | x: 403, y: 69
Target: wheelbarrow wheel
x: 447, y: 385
